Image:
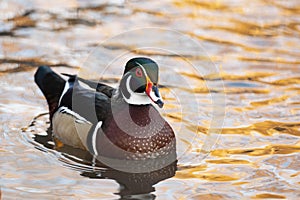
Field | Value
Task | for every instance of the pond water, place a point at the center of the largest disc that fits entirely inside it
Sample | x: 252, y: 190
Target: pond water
x: 245, y: 54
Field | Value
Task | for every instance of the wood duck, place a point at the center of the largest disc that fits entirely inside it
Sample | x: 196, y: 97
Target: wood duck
x: 115, y: 123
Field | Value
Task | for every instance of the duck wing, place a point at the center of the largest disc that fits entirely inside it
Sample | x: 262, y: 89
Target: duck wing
x: 75, y: 111
x: 81, y: 113
x: 99, y: 87
x: 92, y: 105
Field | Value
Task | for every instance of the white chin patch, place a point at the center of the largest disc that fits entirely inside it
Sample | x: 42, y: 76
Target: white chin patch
x: 136, y: 98
x: 154, y: 97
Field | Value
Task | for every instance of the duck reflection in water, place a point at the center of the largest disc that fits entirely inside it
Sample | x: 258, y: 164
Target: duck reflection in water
x: 132, y: 185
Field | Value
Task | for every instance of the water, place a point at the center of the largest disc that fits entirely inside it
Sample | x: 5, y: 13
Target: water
x: 255, y: 45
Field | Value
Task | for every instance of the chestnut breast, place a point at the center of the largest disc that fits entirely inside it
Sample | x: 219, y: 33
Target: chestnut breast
x: 137, y: 130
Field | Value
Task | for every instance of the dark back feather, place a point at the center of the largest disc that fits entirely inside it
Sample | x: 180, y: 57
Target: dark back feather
x: 52, y: 86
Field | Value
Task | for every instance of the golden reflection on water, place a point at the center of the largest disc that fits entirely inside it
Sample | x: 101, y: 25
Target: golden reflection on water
x: 267, y: 150
x: 254, y: 43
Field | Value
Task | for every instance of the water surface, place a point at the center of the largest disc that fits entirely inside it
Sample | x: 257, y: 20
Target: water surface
x: 255, y: 45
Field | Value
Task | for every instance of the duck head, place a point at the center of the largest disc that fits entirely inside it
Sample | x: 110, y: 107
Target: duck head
x: 139, y: 82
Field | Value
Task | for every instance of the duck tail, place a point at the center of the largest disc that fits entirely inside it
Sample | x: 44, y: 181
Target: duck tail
x: 51, y: 85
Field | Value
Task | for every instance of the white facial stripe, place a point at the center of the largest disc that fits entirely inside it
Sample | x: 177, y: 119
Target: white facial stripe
x: 67, y: 86
x: 94, y: 137
x: 127, y: 85
x: 135, y: 98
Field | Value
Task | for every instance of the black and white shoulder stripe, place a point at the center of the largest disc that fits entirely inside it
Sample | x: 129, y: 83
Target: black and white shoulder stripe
x: 92, y: 138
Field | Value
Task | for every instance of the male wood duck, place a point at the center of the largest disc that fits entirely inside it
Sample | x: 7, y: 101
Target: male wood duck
x: 115, y: 123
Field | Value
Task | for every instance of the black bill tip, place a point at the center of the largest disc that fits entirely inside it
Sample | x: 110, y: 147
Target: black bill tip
x: 159, y: 103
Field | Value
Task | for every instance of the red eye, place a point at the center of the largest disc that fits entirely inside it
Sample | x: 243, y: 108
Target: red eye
x: 138, y: 72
